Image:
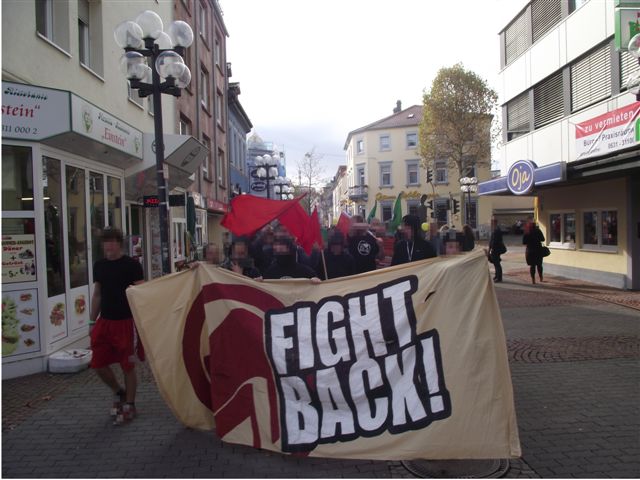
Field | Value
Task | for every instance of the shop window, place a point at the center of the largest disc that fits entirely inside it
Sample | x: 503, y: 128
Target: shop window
x: 562, y: 229
x: 18, y: 250
x: 441, y: 207
x: 600, y: 230
x: 17, y: 178
x: 53, y: 227
x: 77, y: 227
x: 114, y: 203
x: 412, y: 207
x: 96, y: 211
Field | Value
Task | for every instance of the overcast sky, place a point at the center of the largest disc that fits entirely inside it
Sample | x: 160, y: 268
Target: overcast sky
x: 312, y: 71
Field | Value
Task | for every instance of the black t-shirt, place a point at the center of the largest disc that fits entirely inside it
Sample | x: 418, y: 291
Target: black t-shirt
x: 114, y: 276
x: 364, y: 250
x: 406, y: 251
x: 288, y: 269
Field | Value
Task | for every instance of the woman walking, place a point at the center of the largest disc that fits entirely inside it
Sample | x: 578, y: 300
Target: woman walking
x: 533, y: 239
x: 496, y: 248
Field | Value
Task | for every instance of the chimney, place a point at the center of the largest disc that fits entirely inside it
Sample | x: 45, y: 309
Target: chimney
x: 398, y: 108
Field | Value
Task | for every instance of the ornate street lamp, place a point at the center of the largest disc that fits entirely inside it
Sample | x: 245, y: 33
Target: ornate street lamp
x: 468, y: 185
x: 282, y: 186
x: 266, y: 169
x: 633, y: 82
x: 145, y: 38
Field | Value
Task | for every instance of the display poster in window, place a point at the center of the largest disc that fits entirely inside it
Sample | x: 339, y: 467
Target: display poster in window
x: 18, y: 258
x: 56, y: 318
x: 20, y: 327
x: 78, y: 301
x: 610, y: 132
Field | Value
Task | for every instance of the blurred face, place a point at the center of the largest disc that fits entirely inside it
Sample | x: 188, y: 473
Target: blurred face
x: 336, y: 248
x: 112, y: 249
x: 407, y: 231
x: 239, y: 251
x: 280, y: 248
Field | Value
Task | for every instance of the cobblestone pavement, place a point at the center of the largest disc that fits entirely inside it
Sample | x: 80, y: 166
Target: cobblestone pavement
x: 575, y: 362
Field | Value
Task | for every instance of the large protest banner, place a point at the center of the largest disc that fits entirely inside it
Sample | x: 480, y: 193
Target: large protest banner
x: 405, y: 362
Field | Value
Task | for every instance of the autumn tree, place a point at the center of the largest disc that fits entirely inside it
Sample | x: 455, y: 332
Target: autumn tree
x: 459, y: 122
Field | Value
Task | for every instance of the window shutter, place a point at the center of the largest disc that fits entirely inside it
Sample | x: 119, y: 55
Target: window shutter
x: 545, y: 14
x: 518, y: 115
x: 628, y: 65
x: 547, y: 100
x: 591, y: 78
x: 515, y: 38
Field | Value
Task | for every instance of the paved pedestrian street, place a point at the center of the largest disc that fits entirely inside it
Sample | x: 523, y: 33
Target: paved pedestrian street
x: 575, y: 360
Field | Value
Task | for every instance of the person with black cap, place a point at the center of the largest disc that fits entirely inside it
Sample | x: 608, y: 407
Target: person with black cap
x: 337, y: 260
x: 286, y: 264
x: 412, y: 247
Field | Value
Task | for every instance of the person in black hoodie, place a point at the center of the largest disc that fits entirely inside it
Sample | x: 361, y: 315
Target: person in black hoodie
x: 533, y: 239
x: 338, y: 261
x: 285, y: 264
x: 412, y: 247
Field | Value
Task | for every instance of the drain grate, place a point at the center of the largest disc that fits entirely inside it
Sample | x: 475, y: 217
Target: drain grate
x: 489, y: 468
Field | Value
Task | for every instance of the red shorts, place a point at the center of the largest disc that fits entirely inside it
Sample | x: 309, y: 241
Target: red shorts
x: 115, y: 341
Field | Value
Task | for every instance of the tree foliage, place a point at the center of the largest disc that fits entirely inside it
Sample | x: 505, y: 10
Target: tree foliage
x: 459, y: 121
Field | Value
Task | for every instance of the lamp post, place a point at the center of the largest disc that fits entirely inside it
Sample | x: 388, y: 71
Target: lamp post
x: 266, y: 168
x: 141, y: 39
x: 282, y: 186
x: 633, y: 82
x: 468, y: 185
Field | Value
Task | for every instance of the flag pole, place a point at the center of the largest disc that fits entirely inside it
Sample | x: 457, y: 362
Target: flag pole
x: 324, y: 264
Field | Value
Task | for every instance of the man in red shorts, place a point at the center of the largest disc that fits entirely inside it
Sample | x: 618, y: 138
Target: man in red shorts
x: 112, y: 331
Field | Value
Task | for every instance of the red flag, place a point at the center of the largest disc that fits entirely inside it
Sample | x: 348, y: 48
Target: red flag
x: 315, y: 236
x: 250, y: 213
x: 296, y: 220
x: 344, y: 222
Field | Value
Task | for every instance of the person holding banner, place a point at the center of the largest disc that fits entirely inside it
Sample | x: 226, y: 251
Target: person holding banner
x: 112, y: 331
x: 239, y: 261
x: 286, y: 264
x: 338, y: 261
x: 412, y: 247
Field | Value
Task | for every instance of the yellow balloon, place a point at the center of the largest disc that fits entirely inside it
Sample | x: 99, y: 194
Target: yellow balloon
x: 425, y: 227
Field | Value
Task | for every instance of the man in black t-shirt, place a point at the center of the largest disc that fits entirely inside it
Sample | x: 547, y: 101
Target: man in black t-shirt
x: 112, y: 331
x: 363, y: 246
x: 285, y: 264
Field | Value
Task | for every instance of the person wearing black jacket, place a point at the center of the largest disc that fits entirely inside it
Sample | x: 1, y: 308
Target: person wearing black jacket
x: 533, y: 239
x: 363, y: 246
x: 496, y: 248
x: 285, y: 264
x: 412, y: 247
x: 239, y: 261
x: 338, y: 261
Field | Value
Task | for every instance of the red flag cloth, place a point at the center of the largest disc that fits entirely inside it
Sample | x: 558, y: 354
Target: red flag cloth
x: 296, y: 220
x: 344, y: 222
x: 314, y: 229
x: 249, y: 213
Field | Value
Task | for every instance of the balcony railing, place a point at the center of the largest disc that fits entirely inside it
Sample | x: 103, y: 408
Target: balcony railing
x: 359, y: 192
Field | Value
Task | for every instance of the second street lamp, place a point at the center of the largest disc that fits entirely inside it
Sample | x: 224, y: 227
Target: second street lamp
x: 468, y: 185
x: 266, y: 169
x: 167, y: 74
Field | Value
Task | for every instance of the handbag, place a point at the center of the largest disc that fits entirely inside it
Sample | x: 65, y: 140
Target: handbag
x: 545, y: 251
x: 501, y: 249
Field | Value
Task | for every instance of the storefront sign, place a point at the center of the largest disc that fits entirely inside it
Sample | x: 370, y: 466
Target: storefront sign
x: 258, y: 186
x: 520, y: 178
x: 20, y: 327
x: 18, y: 258
x: 626, y: 24
x: 216, y: 206
x: 612, y: 131
x: 92, y: 122
x: 150, y: 201
x: 33, y: 113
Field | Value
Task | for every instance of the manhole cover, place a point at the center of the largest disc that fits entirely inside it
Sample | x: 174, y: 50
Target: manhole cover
x: 490, y: 468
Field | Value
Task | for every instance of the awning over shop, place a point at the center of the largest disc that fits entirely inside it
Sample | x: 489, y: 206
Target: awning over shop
x: 183, y: 155
x: 522, y: 177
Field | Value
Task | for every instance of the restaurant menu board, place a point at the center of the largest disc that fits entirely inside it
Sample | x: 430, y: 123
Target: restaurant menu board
x: 18, y: 258
x: 78, y: 312
x: 20, y: 330
x: 56, y: 316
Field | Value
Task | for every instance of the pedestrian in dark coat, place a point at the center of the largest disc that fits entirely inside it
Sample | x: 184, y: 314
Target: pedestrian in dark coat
x: 468, y: 239
x: 496, y: 248
x: 533, y: 239
x: 412, y: 247
x: 338, y: 261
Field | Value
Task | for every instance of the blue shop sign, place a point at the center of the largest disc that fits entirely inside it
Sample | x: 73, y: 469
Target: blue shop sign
x: 259, y: 186
x: 520, y: 178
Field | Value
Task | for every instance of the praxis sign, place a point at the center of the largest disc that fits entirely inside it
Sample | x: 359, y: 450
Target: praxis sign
x: 520, y: 177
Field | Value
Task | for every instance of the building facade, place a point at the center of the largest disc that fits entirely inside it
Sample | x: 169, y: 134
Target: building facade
x: 239, y: 127
x: 383, y: 164
x: 570, y: 138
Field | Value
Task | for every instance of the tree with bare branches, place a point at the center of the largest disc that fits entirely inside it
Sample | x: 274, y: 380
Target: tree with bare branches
x: 310, y: 175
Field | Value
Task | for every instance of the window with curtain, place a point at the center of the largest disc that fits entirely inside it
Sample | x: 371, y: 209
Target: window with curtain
x: 518, y: 116
x: 516, y: 39
x: 77, y: 227
x: 53, y: 226
x: 545, y: 14
x: 548, y: 102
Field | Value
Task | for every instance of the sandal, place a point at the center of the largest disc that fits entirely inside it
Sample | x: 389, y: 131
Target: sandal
x: 126, y: 414
x: 118, y: 400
